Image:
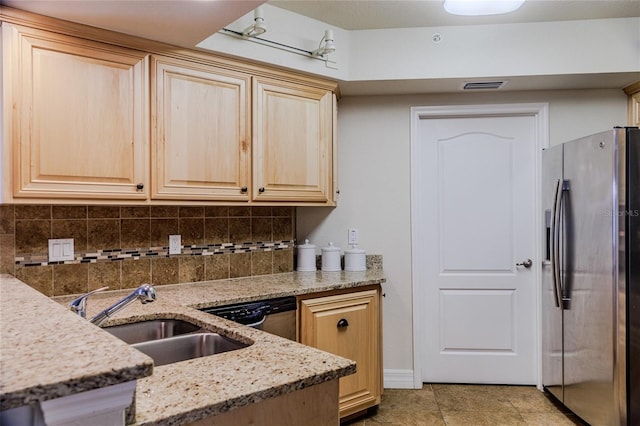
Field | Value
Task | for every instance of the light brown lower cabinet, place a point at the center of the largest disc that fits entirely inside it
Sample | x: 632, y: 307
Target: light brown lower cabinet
x: 312, y: 406
x: 348, y: 325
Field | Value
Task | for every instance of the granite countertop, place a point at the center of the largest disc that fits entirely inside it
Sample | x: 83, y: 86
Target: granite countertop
x: 271, y: 366
x: 47, y: 352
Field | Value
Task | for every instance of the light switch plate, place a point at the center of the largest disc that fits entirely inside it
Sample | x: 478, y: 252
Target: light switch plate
x: 353, y: 236
x: 175, y: 244
x: 60, y: 249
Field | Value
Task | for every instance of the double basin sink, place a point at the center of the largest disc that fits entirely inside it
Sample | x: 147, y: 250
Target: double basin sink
x: 173, y: 340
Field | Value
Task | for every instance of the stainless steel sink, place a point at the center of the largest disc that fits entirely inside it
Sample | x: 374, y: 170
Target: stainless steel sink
x: 145, y: 331
x: 180, y: 348
x: 170, y: 340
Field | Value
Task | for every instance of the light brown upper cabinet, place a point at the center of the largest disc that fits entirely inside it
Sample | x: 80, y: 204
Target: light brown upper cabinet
x: 94, y: 115
x: 78, y: 121
x: 292, y: 141
x: 633, y: 92
x: 200, y: 142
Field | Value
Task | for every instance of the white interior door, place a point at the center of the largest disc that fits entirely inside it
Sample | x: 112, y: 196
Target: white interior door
x: 474, y: 219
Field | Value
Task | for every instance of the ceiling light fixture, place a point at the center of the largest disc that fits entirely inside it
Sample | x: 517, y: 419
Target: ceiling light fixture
x: 328, y: 47
x: 481, y: 7
x: 258, y: 27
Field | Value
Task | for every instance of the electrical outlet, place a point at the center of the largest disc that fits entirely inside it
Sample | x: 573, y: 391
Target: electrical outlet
x: 353, y: 236
x: 175, y: 244
x: 60, y: 249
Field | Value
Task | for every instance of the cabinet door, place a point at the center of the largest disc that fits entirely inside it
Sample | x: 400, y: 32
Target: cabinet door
x: 293, y: 134
x: 79, y: 123
x: 348, y: 325
x: 633, y: 92
x: 634, y: 109
x: 200, y: 146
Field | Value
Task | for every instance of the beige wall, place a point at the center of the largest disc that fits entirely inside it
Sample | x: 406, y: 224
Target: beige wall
x: 374, y: 144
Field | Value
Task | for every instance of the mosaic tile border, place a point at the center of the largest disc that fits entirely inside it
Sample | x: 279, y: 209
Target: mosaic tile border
x: 112, y: 255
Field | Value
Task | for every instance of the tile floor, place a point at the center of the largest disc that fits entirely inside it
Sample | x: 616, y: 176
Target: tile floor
x: 468, y: 405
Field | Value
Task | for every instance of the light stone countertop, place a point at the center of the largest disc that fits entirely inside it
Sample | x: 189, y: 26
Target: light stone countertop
x: 271, y: 366
x: 47, y: 352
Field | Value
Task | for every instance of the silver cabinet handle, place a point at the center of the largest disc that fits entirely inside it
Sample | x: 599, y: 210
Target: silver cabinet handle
x: 527, y: 263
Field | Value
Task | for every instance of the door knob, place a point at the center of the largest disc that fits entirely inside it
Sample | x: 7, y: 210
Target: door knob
x: 527, y: 263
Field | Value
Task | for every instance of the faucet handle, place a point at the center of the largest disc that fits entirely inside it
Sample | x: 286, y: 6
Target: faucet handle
x: 79, y: 304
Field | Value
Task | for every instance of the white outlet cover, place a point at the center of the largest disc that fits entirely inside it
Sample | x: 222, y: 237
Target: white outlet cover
x: 61, y: 249
x: 175, y: 244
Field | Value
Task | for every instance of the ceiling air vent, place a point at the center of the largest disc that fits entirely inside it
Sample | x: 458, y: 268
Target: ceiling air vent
x: 483, y: 85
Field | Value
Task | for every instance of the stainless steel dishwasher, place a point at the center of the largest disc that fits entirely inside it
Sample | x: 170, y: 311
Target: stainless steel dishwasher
x: 276, y: 316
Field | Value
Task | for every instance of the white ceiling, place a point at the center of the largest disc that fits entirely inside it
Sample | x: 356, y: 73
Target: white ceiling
x: 378, y: 14
x: 187, y: 22
x: 180, y: 22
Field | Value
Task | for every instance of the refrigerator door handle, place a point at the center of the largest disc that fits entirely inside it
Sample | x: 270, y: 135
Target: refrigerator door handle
x: 555, y: 243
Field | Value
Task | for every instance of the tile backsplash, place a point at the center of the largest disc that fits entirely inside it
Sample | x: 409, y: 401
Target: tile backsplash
x: 125, y: 246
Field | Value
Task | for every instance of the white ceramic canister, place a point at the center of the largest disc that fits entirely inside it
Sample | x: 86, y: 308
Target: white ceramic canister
x: 331, y: 258
x: 306, y: 257
x: 354, y: 259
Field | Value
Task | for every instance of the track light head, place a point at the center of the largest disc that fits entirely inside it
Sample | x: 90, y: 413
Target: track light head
x: 328, y: 47
x: 258, y: 27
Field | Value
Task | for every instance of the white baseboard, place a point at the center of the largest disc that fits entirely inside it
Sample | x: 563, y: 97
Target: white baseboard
x: 398, y: 379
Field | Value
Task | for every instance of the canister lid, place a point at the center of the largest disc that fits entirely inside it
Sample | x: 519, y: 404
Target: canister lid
x: 330, y: 248
x: 354, y: 250
x: 306, y: 245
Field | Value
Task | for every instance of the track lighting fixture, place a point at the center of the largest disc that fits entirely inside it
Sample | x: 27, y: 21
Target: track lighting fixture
x: 326, y: 45
x: 258, y: 27
x: 251, y: 33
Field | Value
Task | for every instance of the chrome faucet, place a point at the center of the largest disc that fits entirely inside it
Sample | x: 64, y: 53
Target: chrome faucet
x: 145, y: 294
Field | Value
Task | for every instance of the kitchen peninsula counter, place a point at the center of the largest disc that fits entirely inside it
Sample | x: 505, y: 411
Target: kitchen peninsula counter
x: 198, y: 388
x: 47, y: 351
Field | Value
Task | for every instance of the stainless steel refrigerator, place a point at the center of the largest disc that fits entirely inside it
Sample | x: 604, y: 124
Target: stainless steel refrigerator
x: 591, y: 276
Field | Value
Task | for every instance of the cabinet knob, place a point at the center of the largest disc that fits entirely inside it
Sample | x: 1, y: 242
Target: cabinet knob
x: 343, y: 323
x: 261, y: 189
x: 243, y: 189
x: 140, y: 186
